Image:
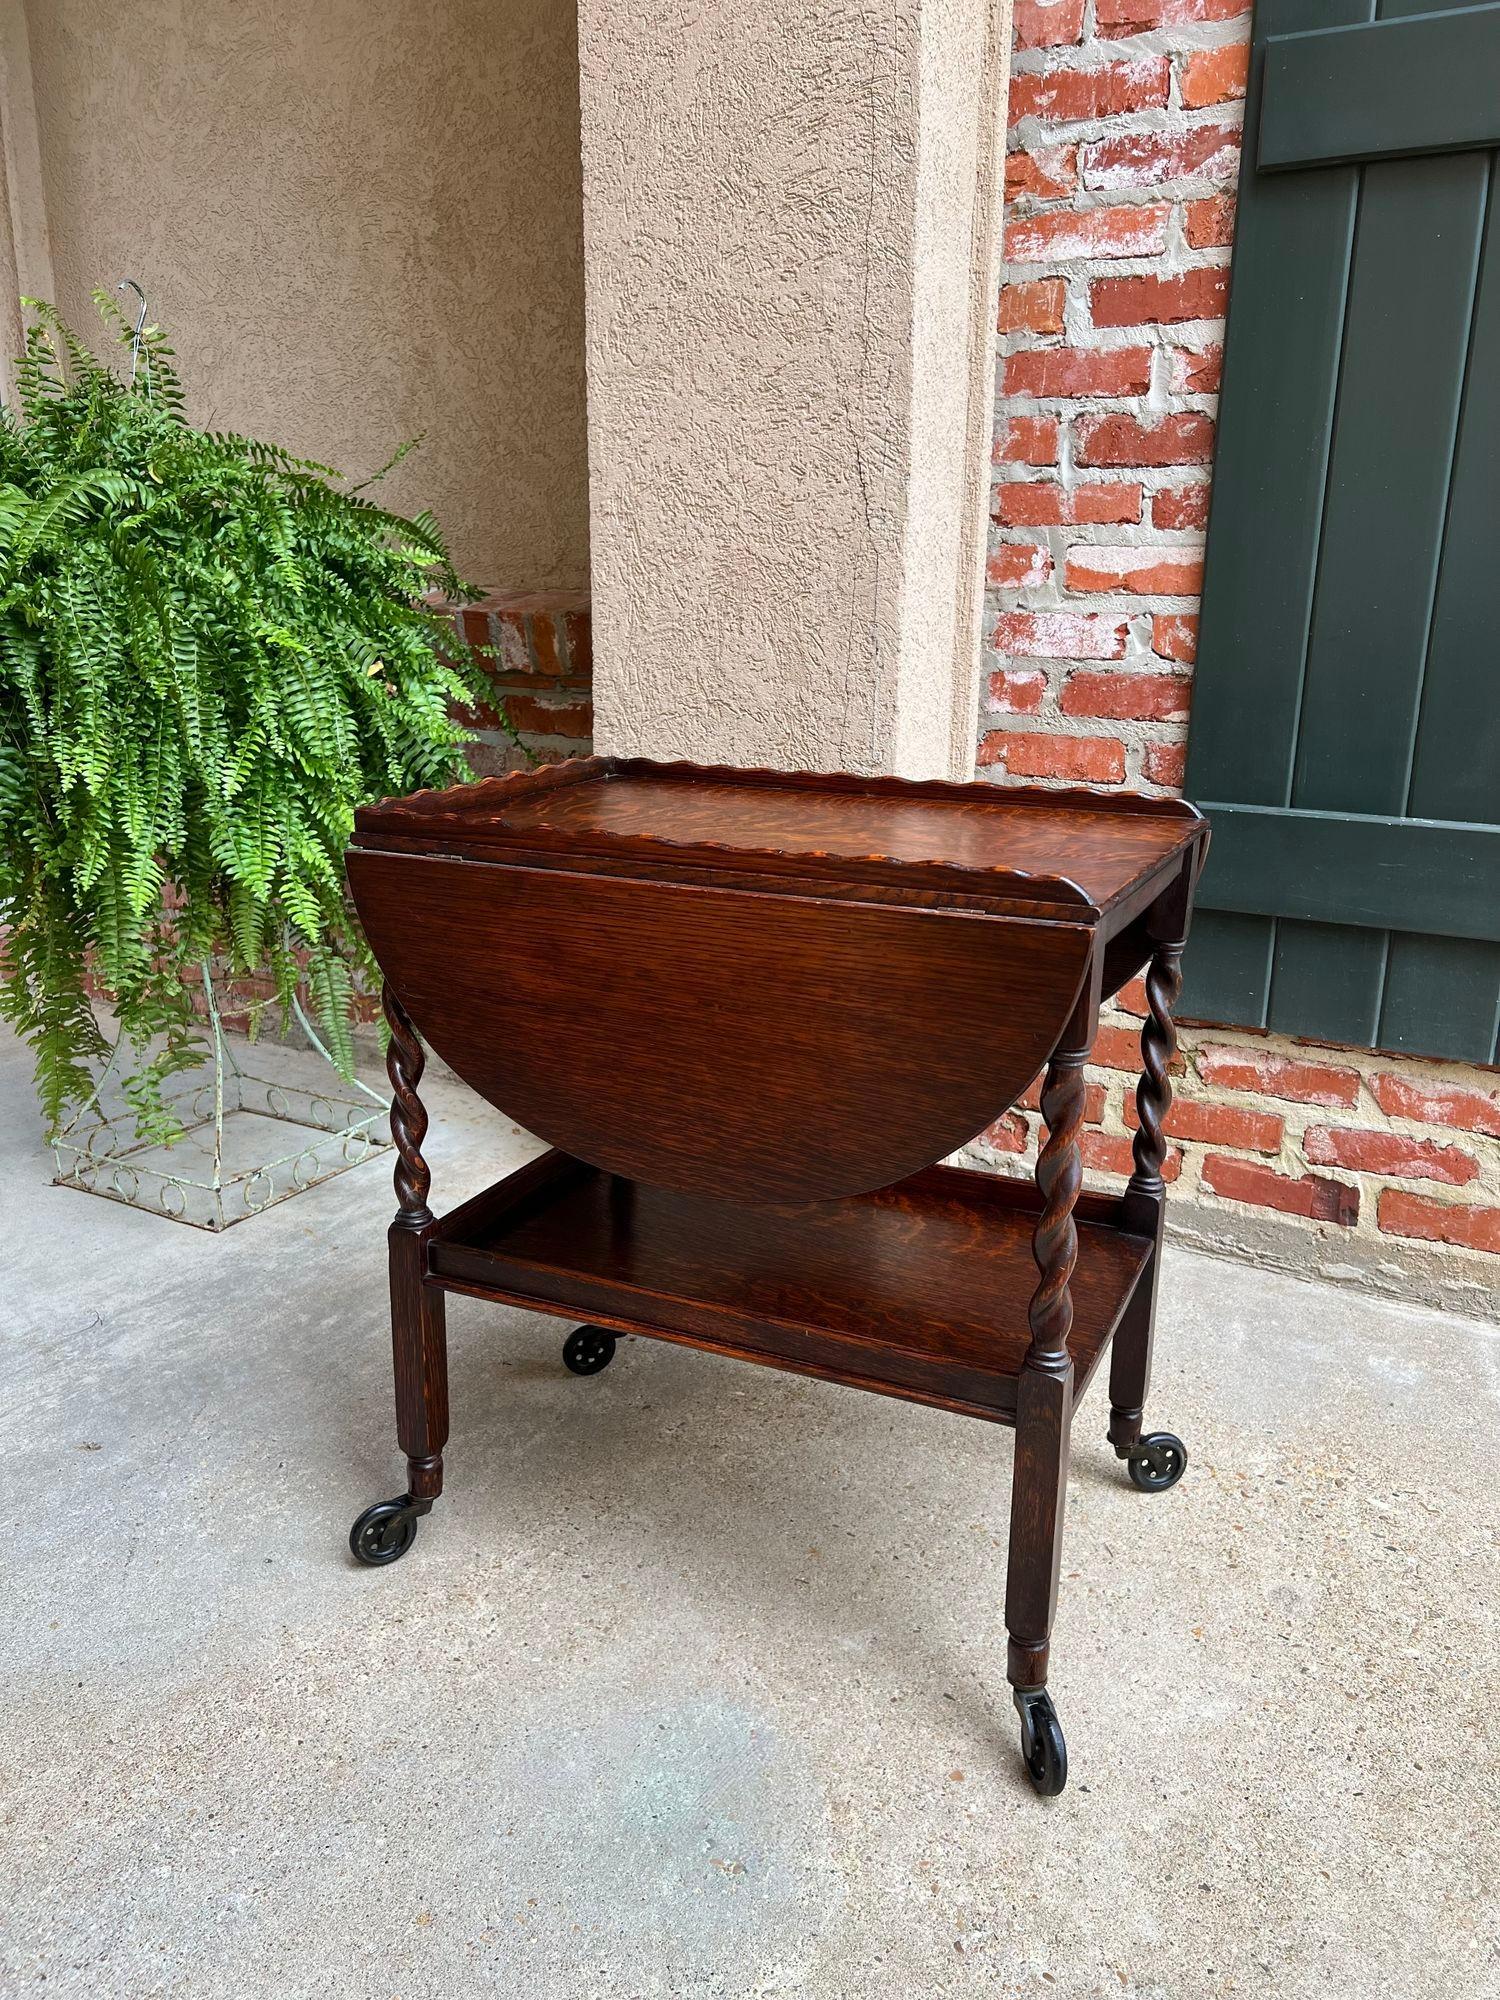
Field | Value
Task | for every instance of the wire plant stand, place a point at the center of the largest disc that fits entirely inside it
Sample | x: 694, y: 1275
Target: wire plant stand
x: 216, y: 1172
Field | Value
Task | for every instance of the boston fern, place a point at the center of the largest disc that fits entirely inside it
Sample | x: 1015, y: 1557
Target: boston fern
x: 209, y: 655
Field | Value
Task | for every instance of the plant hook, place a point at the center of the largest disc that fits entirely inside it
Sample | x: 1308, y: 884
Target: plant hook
x: 130, y: 285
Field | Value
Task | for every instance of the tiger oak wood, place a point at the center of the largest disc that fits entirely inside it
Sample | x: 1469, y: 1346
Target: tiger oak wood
x: 893, y: 1290
x: 684, y: 1035
x: 749, y: 1011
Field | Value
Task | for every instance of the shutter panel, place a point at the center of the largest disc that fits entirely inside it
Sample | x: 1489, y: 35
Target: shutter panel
x: 1346, y: 716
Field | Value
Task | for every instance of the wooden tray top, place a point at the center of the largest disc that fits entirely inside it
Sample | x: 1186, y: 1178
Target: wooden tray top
x: 754, y: 984
x: 1078, y: 852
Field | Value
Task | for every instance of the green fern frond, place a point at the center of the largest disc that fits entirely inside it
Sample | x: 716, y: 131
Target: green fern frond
x: 188, y: 714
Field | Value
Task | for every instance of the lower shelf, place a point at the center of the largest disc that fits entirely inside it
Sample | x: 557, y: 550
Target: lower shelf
x: 918, y: 1290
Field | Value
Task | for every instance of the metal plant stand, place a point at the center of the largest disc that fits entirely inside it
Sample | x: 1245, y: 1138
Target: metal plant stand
x: 248, y: 1141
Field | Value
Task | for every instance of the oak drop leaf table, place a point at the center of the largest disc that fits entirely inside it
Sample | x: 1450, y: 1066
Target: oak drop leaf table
x: 750, y: 1012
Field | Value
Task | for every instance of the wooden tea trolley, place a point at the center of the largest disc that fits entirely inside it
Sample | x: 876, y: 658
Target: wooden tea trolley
x: 750, y: 1011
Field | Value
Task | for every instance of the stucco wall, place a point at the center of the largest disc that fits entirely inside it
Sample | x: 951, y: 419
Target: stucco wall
x: 962, y: 84
x: 790, y: 260
x: 358, y: 219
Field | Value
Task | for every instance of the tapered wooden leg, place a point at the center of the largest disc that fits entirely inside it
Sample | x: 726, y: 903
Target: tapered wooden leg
x: 419, y: 1345
x: 384, y: 1532
x: 1158, y: 1461
x: 1044, y: 1406
x: 1130, y: 1366
x: 1044, y: 1409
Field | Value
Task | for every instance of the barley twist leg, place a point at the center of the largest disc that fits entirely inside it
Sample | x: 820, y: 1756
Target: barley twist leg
x: 419, y: 1343
x: 1044, y: 1409
x: 1154, y: 1462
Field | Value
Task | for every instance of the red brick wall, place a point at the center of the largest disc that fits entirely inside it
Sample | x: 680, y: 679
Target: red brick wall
x: 1124, y: 148
x: 543, y: 670
x: 1124, y: 151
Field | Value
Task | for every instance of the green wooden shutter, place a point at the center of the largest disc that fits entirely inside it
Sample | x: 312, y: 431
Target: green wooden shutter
x: 1346, y: 715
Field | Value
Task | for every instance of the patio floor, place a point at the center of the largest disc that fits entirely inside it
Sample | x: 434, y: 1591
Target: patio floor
x: 694, y: 1683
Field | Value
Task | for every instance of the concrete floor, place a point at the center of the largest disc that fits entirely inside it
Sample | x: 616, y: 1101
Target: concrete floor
x: 694, y: 1684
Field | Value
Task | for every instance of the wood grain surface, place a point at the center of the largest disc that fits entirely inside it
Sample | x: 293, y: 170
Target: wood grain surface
x: 1076, y: 851
x: 720, y: 1041
x: 919, y: 1290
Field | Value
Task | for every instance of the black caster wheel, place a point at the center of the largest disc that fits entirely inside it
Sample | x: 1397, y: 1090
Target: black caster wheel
x: 1157, y: 1462
x: 384, y: 1532
x: 1043, y: 1750
x: 588, y: 1349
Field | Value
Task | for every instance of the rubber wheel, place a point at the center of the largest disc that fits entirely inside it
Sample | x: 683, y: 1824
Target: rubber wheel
x: 1043, y: 1750
x: 588, y: 1349
x: 1157, y: 1462
x: 383, y: 1533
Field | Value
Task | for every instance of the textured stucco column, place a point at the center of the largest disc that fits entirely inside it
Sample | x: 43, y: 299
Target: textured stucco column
x: 791, y: 233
